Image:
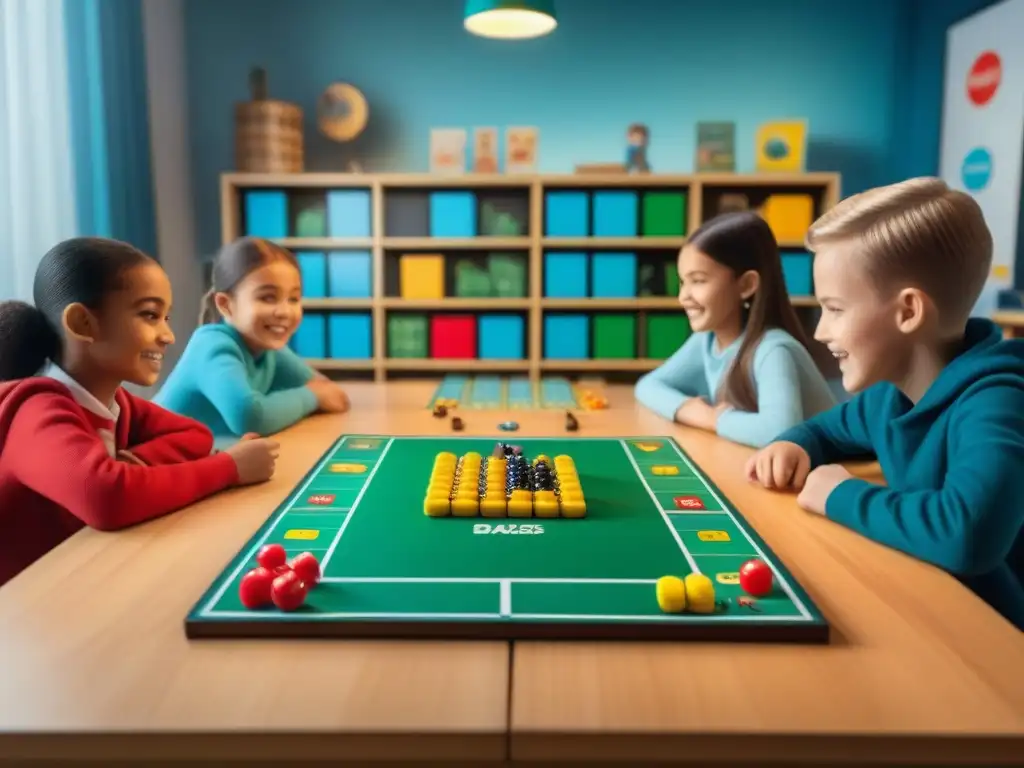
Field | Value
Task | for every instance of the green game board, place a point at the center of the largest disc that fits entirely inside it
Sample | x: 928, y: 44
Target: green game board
x: 391, y: 571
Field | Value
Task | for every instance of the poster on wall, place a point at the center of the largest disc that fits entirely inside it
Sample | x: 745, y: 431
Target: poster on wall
x: 983, y: 130
x: 485, y: 150
x: 448, y: 151
x: 520, y: 150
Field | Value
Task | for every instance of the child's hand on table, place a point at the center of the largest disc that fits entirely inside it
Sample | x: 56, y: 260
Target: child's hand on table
x: 255, y: 458
x: 779, y: 466
x: 696, y: 412
x: 330, y: 397
x: 820, y: 483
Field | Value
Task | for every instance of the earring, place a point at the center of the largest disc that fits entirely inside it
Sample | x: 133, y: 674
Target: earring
x: 746, y: 304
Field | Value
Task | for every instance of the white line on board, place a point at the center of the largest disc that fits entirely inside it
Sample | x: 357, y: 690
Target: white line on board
x: 785, y: 584
x: 352, y: 511
x: 270, y: 529
x: 505, y: 599
x: 668, y: 523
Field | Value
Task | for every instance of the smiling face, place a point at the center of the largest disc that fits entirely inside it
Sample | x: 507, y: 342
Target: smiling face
x: 130, y: 332
x: 710, y: 292
x: 869, y: 333
x: 266, y: 305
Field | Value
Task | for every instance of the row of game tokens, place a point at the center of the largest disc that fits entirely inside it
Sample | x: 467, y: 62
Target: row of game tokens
x: 696, y: 592
x: 468, y: 486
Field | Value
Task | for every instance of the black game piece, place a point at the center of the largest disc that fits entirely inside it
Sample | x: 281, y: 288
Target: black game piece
x: 571, y: 424
x: 440, y: 411
x: 457, y: 424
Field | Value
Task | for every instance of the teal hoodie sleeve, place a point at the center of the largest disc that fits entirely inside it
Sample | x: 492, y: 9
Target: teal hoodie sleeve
x: 779, y: 405
x: 291, y: 370
x: 225, y: 383
x: 839, y: 434
x: 675, y: 381
x: 967, y: 526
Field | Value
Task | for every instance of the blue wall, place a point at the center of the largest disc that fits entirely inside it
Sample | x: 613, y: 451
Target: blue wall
x: 866, y: 74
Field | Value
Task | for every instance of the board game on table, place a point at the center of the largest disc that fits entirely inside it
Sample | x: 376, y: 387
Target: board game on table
x: 389, y: 569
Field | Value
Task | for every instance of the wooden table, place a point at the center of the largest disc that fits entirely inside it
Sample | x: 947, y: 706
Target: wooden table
x: 1011, y: 321
x: 94, y: 663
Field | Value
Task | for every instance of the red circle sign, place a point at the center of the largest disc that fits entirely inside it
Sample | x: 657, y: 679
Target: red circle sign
x: 984, y: 78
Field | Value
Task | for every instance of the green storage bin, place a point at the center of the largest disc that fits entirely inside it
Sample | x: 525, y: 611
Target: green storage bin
x: 471, y: 280
x: 614, y: 336
x: 408, y: 336
x: 666, y: 334
x: 508, y: 275
x: 664, y: 214
x: 671, y: 279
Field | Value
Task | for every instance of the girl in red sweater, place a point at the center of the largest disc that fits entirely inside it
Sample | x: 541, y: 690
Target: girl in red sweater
x: 75, y: 448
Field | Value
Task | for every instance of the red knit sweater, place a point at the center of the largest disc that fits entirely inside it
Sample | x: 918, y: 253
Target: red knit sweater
x: 57, y: 476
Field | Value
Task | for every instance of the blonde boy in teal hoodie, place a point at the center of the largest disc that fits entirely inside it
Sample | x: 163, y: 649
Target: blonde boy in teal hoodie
x: 940, y: 398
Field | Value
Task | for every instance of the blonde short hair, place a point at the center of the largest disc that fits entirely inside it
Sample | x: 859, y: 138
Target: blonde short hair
x: 919, y: 232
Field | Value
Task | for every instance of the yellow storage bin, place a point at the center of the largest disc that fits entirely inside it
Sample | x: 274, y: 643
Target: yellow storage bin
x: 421, y: 275
x: 789, y: 216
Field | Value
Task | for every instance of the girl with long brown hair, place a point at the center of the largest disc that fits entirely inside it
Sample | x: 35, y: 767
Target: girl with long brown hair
x: 745, y: 372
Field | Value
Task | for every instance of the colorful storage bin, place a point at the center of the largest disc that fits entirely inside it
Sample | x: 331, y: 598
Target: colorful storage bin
x: 566, y: 337
x: 565, y: 275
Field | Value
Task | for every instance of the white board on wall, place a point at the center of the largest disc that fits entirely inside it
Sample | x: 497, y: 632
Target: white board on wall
x: 983, y: 127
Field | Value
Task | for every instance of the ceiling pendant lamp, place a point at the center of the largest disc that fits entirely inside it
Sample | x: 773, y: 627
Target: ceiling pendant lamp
x: 510, y: 19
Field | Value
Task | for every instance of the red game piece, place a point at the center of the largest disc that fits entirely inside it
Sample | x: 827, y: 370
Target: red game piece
x: 254, y: 589
x: 272, y: 556
x: 756, y: 578
x: 288, y: 591
x: 308, y: 568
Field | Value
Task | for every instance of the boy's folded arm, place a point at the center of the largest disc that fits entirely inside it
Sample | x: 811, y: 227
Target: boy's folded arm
x: 779, y: 406
x: 839, y: 434
x: 967, y: 526
x: 675, y: 381
x: 225, y: 384
x: 160, y: 436
x: 63, y: 459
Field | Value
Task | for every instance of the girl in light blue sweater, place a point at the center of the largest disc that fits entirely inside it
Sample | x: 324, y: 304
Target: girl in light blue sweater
x: 237, y: 375
x: 745, y: 372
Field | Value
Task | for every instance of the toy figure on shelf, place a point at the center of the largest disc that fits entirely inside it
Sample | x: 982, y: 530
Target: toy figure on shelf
x: 636, y: 154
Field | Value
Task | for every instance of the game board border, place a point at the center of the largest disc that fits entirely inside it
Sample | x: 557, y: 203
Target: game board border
x: 814, y: 629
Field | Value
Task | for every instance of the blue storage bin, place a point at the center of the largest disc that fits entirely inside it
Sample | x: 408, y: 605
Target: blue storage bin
x: 349, y: 275
x: 348, y: 213
x: 452, y: 214
x: 310, y: 339
x: 266, y: 214
x: 613, y: 275
x: 615, y: 214
x: 500, y: 337
x: 565, y: 275
x: 567, y: 214
x: 351, y: 336
x: 797, y: 270
x: 313, y: 268
x: 566, y: 337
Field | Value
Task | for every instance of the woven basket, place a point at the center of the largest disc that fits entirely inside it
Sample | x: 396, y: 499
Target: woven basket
x: 268, y: 137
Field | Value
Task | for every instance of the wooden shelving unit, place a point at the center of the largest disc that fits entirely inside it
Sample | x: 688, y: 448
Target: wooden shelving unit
x: 389, y: 206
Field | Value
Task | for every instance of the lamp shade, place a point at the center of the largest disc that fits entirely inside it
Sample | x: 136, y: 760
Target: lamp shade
x: 510, y: 19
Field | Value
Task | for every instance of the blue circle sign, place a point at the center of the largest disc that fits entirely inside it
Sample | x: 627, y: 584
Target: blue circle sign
x: 976, y: 170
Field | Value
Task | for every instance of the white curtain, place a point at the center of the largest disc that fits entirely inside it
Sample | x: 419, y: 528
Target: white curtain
x: 37, y: 192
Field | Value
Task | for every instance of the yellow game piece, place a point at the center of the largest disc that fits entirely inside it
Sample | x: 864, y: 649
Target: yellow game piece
x: 545, y: 504
x: 520, y: 504
x: 671, y: 594
x: 465, y: 506
x: 573, y: 507
x: 471, y: 456
x: 348, y: 469
x: 493, y: 506
x: 436, y: 507
x: 303, y: 534
x: 445, y: 458
x: 732, y: 577
x: 572, y: 489
x: 700, y: 593
x: 713, y: 535
x: 664, y: 469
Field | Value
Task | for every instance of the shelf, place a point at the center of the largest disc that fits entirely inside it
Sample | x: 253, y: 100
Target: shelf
x: 390, y: 246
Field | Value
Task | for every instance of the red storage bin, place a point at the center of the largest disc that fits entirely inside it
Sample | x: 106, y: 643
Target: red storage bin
x: 453, y: 336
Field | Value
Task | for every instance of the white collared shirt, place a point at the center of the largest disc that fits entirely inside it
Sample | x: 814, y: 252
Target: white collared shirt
x: 89, y: 402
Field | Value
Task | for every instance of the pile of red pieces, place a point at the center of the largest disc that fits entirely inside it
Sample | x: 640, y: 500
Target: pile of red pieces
x: 275, y: 581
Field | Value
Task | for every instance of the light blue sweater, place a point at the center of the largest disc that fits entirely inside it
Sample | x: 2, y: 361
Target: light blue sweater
x: 789, y: 386
x: 220, y: 383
